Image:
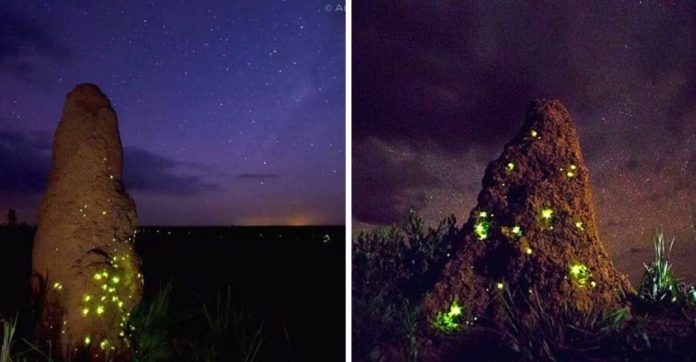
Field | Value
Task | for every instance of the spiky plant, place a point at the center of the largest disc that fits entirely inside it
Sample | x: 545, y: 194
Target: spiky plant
x: 536, y: 335
x: 659, y: 286
x: 148, y: 328
x: 233, y: 332
x: 8, y: 327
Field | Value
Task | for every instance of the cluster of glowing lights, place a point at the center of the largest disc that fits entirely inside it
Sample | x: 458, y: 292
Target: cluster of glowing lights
x: 579, y: 225
x: 572, y: 171
x: 581, y: 274
x: 450, y: 321
x: 516, y: 230
x: 108, y: 302
x: 83, y: 211
x: 58, y: 286
x: 482, y: 226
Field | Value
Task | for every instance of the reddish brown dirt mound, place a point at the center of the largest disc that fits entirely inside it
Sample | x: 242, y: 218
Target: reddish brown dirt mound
x: 86, y: 274
x: 534, y: 230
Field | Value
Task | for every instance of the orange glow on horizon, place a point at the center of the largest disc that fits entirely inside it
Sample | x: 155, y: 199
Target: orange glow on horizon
x: 291, y: 220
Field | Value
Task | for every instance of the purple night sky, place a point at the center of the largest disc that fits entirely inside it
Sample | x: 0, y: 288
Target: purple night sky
x: 231, y: 112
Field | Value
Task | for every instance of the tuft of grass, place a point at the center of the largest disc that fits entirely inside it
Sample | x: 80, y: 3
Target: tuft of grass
x: 148, y: 328
x: 8, y: 328
x: 232, y: 332
x: 659, y: 286
x: 535, y: 335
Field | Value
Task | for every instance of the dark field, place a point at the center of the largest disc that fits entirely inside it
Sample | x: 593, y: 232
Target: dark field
x: 290, y: 278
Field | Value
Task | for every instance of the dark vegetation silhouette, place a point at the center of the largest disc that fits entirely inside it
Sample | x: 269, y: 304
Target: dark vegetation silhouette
x: 211, y: 294
x: 393, y: 268
x: 11, y: 218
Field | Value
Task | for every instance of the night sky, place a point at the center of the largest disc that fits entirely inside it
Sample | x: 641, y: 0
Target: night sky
x: 230, y: 112
x: 439, y: 88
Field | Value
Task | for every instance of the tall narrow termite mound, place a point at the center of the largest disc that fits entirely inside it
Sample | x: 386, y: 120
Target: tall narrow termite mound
x: 86, y: 274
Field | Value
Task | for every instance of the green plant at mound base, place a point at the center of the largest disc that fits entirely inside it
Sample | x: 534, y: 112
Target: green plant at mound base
x: 147, y: 329
x: 392, y: 269
x: 536, y: 335
x: 450, y: 321
x: 658, y: 285
x: 8, y: 328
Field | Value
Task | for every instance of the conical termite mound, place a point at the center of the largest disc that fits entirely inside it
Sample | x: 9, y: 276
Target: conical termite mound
x: 532, y: 234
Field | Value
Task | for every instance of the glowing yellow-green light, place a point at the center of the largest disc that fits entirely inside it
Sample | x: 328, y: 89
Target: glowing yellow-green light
x: 500, y: 285
x: 546, y: 214
x: 481, y: 230
x: 115, y: 280
x: 105, y: 287
x: 528, y: 251
x: 120, y: 304
x: 85, y: 312
x: 483, y: 214
x: 534, y: 133
x: 57, y: 286
x: 455, y: 310
x: 510, y: 167
x: 104, y: 344
x: 579, y: 226
x: 516, y: 230
x: 87, y: 298
x: 573, y: 167
x: 449, y: 321
x: 593, y: 284
x: 97, y: 276
x: 100, y: 310
x: 580, y: 273
x: 88, y: 341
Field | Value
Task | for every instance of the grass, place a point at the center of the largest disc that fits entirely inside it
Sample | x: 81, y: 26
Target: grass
x: 230, y: 332
x: 394, y: 267
x: 148, y: 328
x: 659, y: 287
x: 8, y: 329
x: 537, y: 335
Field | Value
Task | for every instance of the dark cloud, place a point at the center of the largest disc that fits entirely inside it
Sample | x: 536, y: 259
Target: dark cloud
x: 447, y: 77
x: 394, y: 184
x: 25, y: 161
x: 450, y: 75
x: 21, y: 37
x: 150, y: 172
